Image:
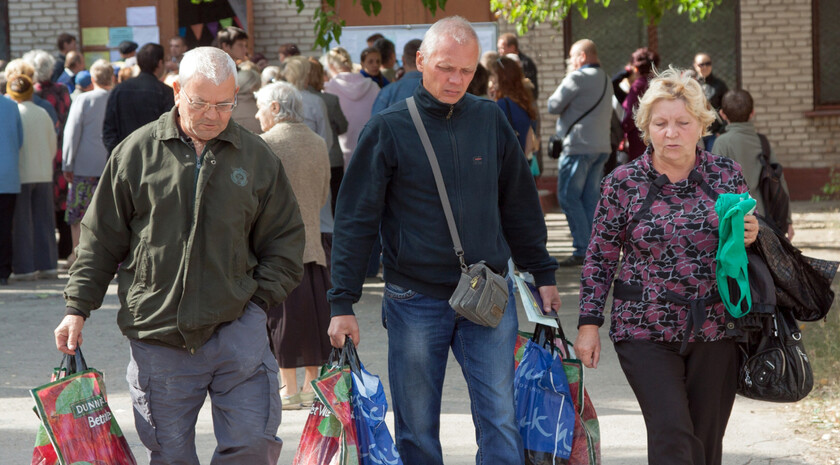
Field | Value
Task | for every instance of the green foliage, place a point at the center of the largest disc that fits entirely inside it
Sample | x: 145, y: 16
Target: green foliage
x: 830, y: 191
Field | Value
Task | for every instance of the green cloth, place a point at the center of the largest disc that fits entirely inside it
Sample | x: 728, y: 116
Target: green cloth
x: 731, y: 255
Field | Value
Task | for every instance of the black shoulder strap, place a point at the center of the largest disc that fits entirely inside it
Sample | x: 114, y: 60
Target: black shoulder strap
x: 657, y: 186
x: 695, y: 176
x: 765, y: 147
x: 604, y: 92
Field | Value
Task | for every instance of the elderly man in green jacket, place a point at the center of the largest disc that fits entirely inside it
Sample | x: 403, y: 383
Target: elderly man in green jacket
x: 198, y: 220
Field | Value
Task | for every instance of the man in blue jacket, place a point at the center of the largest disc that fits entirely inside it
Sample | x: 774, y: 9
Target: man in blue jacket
x: 497, y: 212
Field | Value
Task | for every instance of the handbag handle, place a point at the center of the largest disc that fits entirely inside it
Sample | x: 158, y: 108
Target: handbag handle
x: 350, y: 357
x: 71, y: 364
x: 441, y: 187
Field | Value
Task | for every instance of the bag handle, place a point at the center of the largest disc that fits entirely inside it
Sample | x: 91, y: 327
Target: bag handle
x: 71, y: 364
x: 441, y: 187
x: 350, y: 357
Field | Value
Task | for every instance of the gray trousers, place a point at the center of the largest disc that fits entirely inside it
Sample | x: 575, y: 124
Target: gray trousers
x: 168, y: 386
x: 33, y: 229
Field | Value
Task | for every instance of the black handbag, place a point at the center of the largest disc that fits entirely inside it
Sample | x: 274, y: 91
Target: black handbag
x: 555, y: 142
x: 774, y: 365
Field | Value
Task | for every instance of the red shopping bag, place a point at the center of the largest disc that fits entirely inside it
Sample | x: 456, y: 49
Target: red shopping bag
x: 329, y: 434
x: 77, y: 425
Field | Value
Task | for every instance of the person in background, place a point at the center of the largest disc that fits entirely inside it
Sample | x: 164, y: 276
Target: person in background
x: 177, y: 49
x: 296, y: 72
x: 298, y: 326
x: 234, y: 42
x: 84, y: 83
x: 373, y: 38
x: 286, y: 51
x: 586, y: 146
x: 388, y: 55
x: 73, y: 64
x: 18, y: 66
x: 371, y: 66
x: 479, y: 86
x: 59, y: 97
x: 404, y: 88
x: 390, y: 188
x: 714, y: 89
x: 356, y: 95
x: 260, y: 61
x: 661, y: 266
x: 246, y: 104
x: 270, y: 74
x: 66, y: 43
x: 128, y: 53
x: 740, y: 142
x: 509, y: 43
x: 11, y: 141
x: 515, y: 100
x: 33, y: 231
x: 137, y: 101
x: 644, y: 62
x: 193, y: 310
x: 84, y: 155
x: 338, y: 125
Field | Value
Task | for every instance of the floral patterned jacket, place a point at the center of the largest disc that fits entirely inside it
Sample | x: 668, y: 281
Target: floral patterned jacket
x: 672, y: 248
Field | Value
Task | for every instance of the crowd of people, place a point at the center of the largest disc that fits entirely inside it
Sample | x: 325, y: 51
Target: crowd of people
x: 309, y: 172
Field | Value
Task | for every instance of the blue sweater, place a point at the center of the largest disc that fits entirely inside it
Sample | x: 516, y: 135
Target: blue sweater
x: 389, y: 188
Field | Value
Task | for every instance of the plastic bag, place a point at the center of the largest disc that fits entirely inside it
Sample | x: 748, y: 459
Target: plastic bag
x: 77, y: 425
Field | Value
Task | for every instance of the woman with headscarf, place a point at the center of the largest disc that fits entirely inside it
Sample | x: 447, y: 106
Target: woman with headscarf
x: 298, y: 327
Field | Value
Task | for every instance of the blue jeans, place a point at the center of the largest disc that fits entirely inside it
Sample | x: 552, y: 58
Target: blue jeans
x: 578, y: 190
x: 421, y: 330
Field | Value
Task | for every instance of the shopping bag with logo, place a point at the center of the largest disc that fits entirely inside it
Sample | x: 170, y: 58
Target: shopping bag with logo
x: 543, y: 405
x: 586, y: 444
x: 77, y: 425
x: 376, y: 445
x: 329, y: 434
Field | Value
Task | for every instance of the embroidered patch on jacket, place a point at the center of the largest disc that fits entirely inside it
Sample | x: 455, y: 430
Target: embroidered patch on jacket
x: 239, y: 177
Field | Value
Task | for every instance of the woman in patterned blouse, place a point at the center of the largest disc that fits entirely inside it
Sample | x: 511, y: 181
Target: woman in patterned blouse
x: 667, y: 321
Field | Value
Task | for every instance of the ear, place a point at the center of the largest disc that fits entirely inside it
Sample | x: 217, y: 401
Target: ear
x: 274, y: 108
x: 723, y: 115
x: 752, y: 115
x: 176, y: 88
x: 419, y: 61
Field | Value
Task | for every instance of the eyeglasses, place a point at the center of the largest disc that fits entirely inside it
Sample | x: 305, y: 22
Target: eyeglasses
x: 204, y: 106
x: 704, y: 64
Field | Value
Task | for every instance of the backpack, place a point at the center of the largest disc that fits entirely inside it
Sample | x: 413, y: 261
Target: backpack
x: 776, y: 200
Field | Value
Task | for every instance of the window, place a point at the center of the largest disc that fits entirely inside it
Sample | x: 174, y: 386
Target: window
x: 825, y: 18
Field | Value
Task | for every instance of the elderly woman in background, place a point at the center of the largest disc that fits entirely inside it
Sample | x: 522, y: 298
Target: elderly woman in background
x: 33, y: 230
x: 643, y: 62
x: 356, y: 95
x: 659, y: 211
x: 338, y: 124
x: 84, y: 154
x: 246, y: 104
x: 296, y: 72
x: 298, y: 327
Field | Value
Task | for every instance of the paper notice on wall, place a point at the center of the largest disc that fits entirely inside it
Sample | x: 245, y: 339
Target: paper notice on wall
x: 94, y: 36
x: 118, y: 34
x: 90, y: 57
x: 146, y: 34
x: 141, y: 16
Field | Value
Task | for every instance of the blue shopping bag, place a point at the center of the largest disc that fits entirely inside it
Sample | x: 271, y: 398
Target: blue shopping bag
x: 545, y: 412
x: 376, y: 446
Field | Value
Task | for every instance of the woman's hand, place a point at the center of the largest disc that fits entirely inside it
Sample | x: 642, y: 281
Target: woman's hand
x: 750, y: 230
x: 588, y: 345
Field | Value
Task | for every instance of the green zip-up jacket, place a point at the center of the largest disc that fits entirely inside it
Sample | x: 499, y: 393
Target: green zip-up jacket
x: 192, y: 239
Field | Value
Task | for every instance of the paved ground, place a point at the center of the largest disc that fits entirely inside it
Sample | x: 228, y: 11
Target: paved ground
x: 758, y: 433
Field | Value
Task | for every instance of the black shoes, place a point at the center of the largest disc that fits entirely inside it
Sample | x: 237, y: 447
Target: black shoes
x: 573, y: 260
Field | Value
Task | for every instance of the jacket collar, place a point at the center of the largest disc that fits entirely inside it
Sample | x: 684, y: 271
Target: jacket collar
x: 435, y: 107
x: 167, y: 128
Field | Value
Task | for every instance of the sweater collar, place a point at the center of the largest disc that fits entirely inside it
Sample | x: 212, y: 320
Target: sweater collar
x: 701, y: 160
x: 435, y: 107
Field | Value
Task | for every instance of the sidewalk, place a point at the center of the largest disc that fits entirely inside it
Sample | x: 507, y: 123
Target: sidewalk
x: 758, y: 433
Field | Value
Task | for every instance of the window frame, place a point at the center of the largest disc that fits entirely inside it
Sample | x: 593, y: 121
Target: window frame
x: 819, y: 107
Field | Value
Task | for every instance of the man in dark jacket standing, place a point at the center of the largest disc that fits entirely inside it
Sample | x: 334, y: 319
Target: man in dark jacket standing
x: 509, y: 43
x: 196, y: 217
x: 497, y: 213
x: 714, y: 88
x: 139, y: 100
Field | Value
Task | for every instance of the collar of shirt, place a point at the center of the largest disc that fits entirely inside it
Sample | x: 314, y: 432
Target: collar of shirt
x: 591, y: 65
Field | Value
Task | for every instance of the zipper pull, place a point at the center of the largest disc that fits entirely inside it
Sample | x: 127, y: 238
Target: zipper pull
x: 451, y: 109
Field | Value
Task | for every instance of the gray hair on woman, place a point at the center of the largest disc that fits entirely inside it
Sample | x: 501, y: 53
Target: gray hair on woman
x: 249, y: 80
x: 270, y: 74
x: 43, y: 63
x: 296, y: 71
x: 210, y: 62
x: 454, y: 27
x: 287, y: 97
x: 674, y: 84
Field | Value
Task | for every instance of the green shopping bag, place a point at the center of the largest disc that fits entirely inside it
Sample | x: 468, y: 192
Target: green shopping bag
x: 77, y: 425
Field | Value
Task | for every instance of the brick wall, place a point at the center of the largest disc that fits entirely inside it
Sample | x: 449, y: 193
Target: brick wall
x: 37, y: 24
x: 276, y: 22
x: 776, y: 51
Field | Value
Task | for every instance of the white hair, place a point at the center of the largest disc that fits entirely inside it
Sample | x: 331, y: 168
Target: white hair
x: 454, y: 27
x: 43, y: 63
x: 249, y: 80
x: 209, y: 62
x: 285, y: 95
x: 270, y: 74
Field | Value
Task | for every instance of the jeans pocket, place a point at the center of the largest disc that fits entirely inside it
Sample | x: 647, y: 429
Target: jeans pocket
x: 392, y: 291
x: 141, y: 398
